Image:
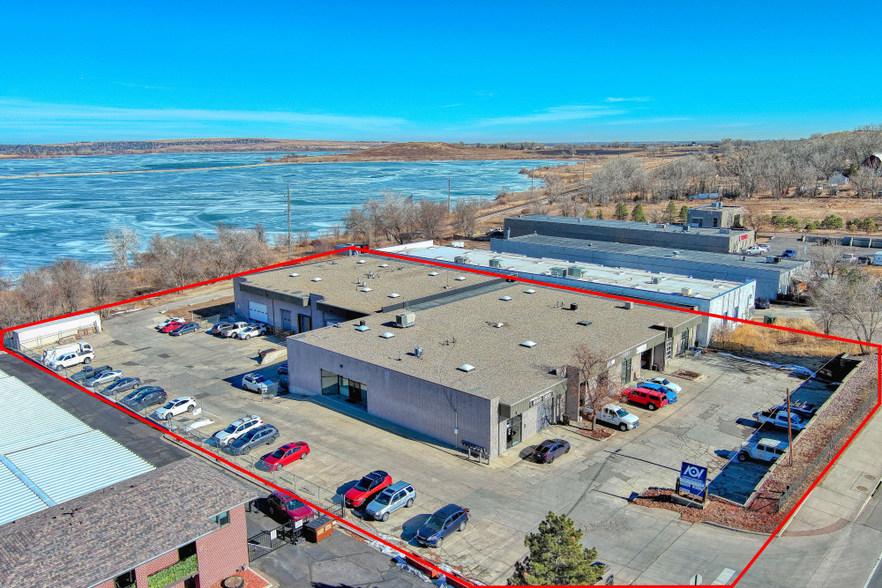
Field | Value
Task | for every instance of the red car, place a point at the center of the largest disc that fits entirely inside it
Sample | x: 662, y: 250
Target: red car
x: 172, y: 326
x: 288, y: 453
x: 289, y: 504
x: 368, y: 487
x: 651, y: 399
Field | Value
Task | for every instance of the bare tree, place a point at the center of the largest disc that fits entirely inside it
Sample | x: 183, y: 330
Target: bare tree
x: 431, y: 218
x: 465, y: 215
x: 755, y: 218
x: 855, y: 297
x: 68, y: 276
x: 596, y: 386
x: 826, y: 259
x: 554, y: 186
x: 396, y: 213
x: 123, y: 242
x: 303, y: 238
x: 570, y: 206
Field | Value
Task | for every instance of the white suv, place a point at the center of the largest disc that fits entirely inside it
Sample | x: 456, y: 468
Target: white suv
x: 762, y: 450
x: 175, y: 407
x: 237, y: 429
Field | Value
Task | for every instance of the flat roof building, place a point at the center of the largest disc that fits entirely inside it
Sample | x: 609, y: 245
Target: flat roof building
x: 721, y: 240
x: 490, y: 369
x: 715, y: 215
x: 716, y: 296
x: 772, y: 278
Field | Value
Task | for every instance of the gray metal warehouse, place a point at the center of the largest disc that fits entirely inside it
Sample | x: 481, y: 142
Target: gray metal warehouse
x: 720, y: 240
x: 716, y: 296
x: 488, y: 369
x: 772, y: 277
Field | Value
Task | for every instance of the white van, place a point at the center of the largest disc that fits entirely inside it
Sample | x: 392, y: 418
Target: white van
x: 877, y: 258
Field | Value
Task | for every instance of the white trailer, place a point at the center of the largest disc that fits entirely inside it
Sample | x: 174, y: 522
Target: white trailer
x: 37, y: 336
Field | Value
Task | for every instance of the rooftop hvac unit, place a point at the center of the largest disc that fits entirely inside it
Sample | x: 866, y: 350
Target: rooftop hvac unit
x: 686, y: 291
x: 629, y: 305
x: 460, y: 259
x: 460, y: 244
x: 770, y: 259
x: 496, y: 263
x: 686, y: 228
x: 405, y: 319
x: 656, y: 280
x: 418, y: 352
x: 559, y: 272
x: 574, y: 306
x: 575, y: 271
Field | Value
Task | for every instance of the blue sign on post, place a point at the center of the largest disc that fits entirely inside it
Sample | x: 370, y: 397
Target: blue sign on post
x: 693, y: 478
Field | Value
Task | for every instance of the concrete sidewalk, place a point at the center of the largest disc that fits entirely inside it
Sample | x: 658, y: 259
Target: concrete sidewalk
x: 841, y: 496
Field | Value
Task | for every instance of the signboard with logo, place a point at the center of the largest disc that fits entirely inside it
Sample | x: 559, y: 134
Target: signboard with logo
x: 693, y: 478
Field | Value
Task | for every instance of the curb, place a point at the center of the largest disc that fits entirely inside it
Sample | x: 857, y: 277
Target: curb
x: 736, y: 530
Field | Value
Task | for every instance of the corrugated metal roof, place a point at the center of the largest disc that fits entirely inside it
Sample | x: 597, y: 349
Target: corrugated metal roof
x: 32, y: 419
x: 48, y: 456
x: 16, y: 499
x: 68, y: 468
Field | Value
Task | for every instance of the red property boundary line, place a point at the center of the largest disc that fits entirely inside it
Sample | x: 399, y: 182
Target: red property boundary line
x: 358, y: 530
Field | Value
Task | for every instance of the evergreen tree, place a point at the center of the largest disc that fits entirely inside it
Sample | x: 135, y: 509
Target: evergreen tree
x: 599, y: 214
x: 637, y: 215
x: 556, y: 557
x: 588, y: 213
x: 621, y: 212
x: 684, y: 214
x: 671, y: 212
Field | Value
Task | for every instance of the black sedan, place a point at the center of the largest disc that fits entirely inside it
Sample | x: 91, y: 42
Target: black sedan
x: 133, y: 395
x: 185, y: 328
x: 546, y: 451
x: 121, y: 386
x: 148, y: 396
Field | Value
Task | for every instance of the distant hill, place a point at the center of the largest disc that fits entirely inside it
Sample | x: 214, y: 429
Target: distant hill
x: 240, y: 145
x: 433, y: 152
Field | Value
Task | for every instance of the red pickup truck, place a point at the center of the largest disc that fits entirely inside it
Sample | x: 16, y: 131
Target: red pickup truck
x: 649, y: 398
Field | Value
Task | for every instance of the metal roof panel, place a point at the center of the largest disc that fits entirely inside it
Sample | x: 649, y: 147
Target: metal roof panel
x: 16, y: 499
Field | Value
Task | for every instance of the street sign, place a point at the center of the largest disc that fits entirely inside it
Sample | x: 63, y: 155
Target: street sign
x: 693, y: 478
x: 696, y: 580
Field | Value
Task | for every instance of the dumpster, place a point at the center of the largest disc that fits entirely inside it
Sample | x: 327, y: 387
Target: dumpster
x: 770, y: 319
x: 318, y: 529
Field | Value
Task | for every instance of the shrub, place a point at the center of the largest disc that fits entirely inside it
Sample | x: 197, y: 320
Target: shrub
x: 621, y: 212
x: 832, y: 222
x: 637, y: 215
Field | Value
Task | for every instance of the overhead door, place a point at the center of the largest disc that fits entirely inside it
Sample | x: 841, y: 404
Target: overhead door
x: 257, y: 312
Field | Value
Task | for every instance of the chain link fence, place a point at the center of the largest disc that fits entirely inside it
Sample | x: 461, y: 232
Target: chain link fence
x: 826, y: 455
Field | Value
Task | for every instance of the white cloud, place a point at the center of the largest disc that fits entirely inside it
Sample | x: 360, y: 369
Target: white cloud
x: 21, y: 116
x: 643, y: 99
x: 553, y: 114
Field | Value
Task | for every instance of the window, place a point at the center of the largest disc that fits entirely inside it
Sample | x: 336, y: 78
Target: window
x: 126, y: 580
x: 222, y: 519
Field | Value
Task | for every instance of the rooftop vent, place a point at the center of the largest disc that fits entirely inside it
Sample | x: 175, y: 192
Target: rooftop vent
x: 360, y: 261
x: 384, y: 265
x: 405, y: 319
x: 362, y: 322
x: 433, y: 273
x: 584, y: 323
x: 506, y: 298
x: 686, y: 291
x: 558, y: 272
x: 496, y: 263
x: 418, y: 352
x: 498, y: 325
x: 293, y: 275
x: 530, y: 344
x: 316, y: 279
x: 362, y: 328
x: 676, y: 253
x: 530, y: 291
x: 367, y: 289
x: 574, y: 306
x: 629, y: 305
x: 466, y: 368
x: 656, y: 280
x: 387, y: 335
x: 460, y: 278
x: 394, y: 295
x: 460, y: 259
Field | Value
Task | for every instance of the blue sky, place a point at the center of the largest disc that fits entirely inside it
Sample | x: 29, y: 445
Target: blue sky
x: 470, y: 71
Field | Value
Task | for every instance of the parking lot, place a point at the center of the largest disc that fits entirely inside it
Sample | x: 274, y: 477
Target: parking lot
x: 508, y: 498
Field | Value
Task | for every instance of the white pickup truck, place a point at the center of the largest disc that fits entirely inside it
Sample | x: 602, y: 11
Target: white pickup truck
x: 618, y: 417
x: 50, y: 355
x: 71, y: 359
x: 779, y: 419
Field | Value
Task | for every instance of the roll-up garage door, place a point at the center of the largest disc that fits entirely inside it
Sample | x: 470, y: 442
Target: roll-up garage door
x: 257, y: 312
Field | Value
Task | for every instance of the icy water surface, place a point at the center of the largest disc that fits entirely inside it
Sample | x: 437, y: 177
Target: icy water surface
x: 44, y: 218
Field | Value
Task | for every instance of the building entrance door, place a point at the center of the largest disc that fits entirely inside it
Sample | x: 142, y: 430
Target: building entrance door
x: 513, y: 434
x: 286, y: 319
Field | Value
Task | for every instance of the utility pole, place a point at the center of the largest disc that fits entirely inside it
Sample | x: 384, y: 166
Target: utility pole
x: 583, y: 170
x: 532, y: 169
x: 789, y: 430
x: 448, y: 194
x: 290, y: 242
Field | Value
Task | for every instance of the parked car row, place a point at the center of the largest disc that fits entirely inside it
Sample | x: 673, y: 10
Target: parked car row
x: 177, y: 326
x: 239, y: 329
x: 767, y: 449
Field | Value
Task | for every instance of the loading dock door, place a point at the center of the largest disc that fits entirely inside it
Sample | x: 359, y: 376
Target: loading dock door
x: 257, y: 312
